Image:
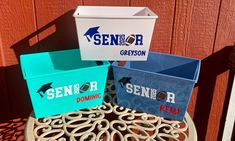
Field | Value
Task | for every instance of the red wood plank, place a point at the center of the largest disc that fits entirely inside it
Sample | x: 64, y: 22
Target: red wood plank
x: 225, y: 39
x: 208, y: 103
x: 195, y: 27
x: 17, y: 92
x: 225, y: 32
x: 4, y: 106
x: 106, y: 3
x: 161, y: 40
x: 193, y: 101
x: 231, y: 60
x: 17, y: 22
x: 181, y: 35
x: 1, y: 53
x: 56, y: 24
x: 203, y: 28
x: 182, y: 23
x: 216, y: 112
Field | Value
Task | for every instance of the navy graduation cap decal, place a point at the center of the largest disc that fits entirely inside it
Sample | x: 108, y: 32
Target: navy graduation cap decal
x: 91, y: 32
x: 124, y: 81
x: 161, y: 95
x: 44, y: 88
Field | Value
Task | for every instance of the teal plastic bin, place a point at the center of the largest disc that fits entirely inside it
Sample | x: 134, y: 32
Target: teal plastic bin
x: 59, y: 82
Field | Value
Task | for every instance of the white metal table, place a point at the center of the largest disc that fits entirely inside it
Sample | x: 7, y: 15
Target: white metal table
x: 109, y: 122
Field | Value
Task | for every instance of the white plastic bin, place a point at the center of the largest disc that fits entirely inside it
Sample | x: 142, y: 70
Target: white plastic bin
x: 114, y: 33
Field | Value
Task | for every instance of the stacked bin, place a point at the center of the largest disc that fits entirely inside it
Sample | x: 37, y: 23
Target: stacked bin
x: 155, y: 83
x: 114, y: 33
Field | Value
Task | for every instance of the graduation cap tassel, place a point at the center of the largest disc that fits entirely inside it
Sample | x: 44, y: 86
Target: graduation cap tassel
x: 88, y: 39
x: 40, y: 94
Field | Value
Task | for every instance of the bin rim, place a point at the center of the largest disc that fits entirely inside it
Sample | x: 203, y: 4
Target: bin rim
x: 64, y: 72
x: 105, y: 64
x: 165, y: 75
x: 195, y: 79
x: 95, y: 16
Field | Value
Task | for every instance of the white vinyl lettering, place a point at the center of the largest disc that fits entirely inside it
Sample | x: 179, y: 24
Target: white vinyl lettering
x: 136, y: 89
x: 129, y: 88
x: 93, y: 86
x: 170, y: 97
x: 76, y: 88
x: 145, y: 91
x: 68, y: 90
x: 148, y: 92
x: 50, y: 94
x: 58, y: 92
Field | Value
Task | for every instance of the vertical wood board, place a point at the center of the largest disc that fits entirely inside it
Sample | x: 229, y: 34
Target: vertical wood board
x: 161, y: 39
x: 106, y: 3
x: 56, y: 24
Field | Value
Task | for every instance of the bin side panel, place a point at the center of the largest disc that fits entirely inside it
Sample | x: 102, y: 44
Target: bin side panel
x: 106, y: 39
x: 169, y: 65
x: 58, y: 94
x: 155, y: 94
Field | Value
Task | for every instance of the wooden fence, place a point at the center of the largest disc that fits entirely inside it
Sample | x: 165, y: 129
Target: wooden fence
x: 202, y: 29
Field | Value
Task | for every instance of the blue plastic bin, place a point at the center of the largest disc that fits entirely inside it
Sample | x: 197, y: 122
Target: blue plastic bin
x: 60, y: 82
x: 162, y: 85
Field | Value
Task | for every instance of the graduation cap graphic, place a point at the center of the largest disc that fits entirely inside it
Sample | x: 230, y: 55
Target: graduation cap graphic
x: 161, y: 95
x: 124, y: 81
x: 44, y: 88
x: 91, y: 32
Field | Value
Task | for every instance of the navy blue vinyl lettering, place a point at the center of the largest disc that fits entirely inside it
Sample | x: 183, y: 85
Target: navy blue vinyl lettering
x: 139, y: 39
x: 105, y: 39
x: 97, y: 39
x: 114, y: 39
